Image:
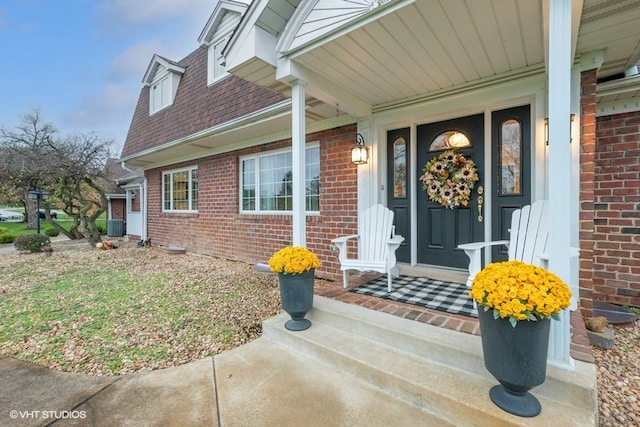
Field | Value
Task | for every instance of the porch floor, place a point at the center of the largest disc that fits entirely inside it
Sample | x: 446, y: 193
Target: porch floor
x: 580, y: 346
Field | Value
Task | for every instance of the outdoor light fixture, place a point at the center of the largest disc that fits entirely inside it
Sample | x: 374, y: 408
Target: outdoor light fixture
x: 546, y: 130
x: 359, y: 152
x: 572, y: 118
x: 35, y: 194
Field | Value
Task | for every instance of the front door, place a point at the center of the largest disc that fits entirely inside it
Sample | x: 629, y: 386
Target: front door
x: 398, y: 185
x: 440, y: 229
x: 511, y: 155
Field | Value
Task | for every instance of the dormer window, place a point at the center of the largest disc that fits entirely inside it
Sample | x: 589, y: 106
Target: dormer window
x: 217, y: 33
x: 216, y: 67
x: 162, y: 78
x: 160, y: 96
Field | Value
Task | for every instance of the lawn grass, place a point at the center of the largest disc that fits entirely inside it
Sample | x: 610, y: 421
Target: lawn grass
x: 127, y: 310
x: 21, y: 228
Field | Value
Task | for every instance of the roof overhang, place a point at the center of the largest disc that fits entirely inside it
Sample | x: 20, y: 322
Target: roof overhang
x: 408, y: 48
x: 265, y: 126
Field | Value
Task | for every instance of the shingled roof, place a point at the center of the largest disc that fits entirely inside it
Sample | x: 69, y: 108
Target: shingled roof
x: 196, y: 106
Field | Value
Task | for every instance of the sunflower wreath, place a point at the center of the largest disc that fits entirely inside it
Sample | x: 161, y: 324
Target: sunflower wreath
x: 449, y: 178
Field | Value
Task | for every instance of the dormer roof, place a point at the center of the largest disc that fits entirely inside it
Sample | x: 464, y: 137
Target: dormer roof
x: 225, y: 9
x: 160, y: 65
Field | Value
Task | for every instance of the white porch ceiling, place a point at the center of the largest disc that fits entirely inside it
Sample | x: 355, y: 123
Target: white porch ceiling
x: 431, y: 45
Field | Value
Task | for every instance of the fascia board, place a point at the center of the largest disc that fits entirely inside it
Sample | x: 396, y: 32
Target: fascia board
x: 275, y: 110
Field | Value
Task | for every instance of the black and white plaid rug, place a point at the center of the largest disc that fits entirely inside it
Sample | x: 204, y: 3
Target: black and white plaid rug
x: 423, y: 291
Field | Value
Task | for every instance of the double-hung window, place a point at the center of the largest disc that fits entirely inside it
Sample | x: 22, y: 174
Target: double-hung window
x: 180, y: 190
x: 267, y: 185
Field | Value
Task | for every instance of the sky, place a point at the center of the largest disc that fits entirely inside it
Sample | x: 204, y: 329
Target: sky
x: 81, y: 62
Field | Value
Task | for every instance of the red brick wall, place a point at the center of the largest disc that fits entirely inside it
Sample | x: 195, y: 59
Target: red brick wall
x: 587, y: 184
x: 616, y: 251
x: 118, y: 209
x: 218, y: 229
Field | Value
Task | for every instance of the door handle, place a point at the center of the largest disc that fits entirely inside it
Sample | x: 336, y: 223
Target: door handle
x: 480, y: 203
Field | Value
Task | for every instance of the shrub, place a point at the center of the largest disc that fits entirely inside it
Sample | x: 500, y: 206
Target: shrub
x: 4, y: 230
x: 7, y: 238
x: 32, y: 242
x: 51, y: 232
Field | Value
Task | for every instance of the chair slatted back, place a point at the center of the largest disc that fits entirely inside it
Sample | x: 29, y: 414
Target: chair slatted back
x: 375, y: 228
x: 529, y: 232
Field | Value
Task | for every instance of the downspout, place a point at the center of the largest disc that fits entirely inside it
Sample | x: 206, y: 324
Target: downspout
x: 109, y: 213
x: 144, y: 186
x: 143, y: 202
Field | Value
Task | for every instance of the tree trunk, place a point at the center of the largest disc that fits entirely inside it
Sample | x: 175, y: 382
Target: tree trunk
x: 31, y: 214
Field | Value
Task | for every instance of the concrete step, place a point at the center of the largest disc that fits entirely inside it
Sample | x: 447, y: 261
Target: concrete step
x: 437, y: 370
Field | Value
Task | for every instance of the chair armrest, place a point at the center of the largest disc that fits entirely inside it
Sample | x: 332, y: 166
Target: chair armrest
x: 343, y: 239
x: 395, y: 240
x: 573, y: 253
x: 474, y: 252
x: 479, y: 245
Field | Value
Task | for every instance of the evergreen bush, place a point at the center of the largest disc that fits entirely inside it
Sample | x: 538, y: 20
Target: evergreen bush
x: 32, y: 242
x: 7, y: 238
x: 51, y: 232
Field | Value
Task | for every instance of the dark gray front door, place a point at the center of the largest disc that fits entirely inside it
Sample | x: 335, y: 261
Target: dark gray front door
x: 511, y: 160
x: 441, y: 230
x: 398, y: 185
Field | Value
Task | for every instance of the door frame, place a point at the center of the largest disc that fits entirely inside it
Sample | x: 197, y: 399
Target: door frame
x: 396, y: 120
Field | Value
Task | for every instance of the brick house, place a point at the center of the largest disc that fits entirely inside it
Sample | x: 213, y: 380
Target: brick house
x: 243, y: 146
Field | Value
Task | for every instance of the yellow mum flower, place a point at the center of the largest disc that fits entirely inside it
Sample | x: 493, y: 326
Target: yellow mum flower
x: 293, y: 260
x: 520, y: 291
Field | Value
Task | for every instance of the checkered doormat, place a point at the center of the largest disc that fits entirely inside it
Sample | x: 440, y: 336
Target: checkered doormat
x: 423, y: 291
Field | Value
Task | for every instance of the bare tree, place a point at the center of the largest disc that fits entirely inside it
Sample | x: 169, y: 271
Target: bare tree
x: 72, y: 169
x: 81, y: 182
x: 24, y: 163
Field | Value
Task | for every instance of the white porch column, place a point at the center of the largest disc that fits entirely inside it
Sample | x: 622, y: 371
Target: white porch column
x: 560, y: 212
x: 299, y: 218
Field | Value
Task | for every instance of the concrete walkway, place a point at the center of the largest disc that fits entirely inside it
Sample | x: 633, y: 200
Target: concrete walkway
x: 258, y: 384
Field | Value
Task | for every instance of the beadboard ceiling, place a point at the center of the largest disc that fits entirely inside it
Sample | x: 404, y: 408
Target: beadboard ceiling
x: 421, y: 47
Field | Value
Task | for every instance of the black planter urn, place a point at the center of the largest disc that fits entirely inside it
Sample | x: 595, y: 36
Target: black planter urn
x: 296, y: 294
x: 517, y: 358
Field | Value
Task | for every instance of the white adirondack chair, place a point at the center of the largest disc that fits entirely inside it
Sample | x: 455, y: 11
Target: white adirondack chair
x: 527, y: 239
x: 528, y: 243
x: 377, y: 244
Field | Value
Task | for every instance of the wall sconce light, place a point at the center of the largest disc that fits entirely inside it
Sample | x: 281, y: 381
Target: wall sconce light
x: 546, y: 130
x: 359, y: 152
x: 572, y: 118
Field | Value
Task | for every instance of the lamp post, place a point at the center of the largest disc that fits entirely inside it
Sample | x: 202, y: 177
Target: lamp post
x: 36, y: 194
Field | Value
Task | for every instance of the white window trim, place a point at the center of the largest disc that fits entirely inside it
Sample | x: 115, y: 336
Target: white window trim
x: 173, y: 80
x: 189, y: 190
x: 211, y: 60
x: 256, y: 157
